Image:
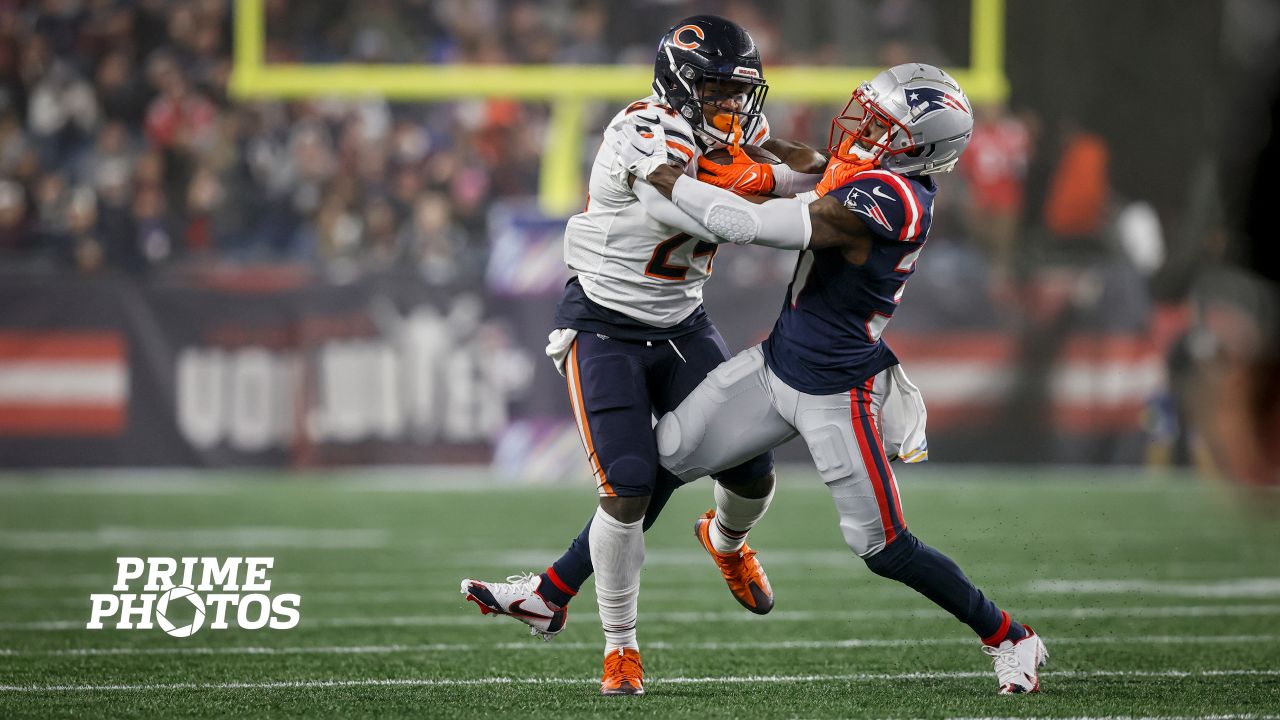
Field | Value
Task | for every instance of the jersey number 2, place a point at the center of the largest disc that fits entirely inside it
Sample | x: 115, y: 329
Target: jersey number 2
x: 660, y: 265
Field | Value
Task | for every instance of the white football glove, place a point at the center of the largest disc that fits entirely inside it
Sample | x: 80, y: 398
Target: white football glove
x: 641, y: 148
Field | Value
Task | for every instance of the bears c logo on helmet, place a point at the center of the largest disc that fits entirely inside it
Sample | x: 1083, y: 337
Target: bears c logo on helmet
x: 688, y: 44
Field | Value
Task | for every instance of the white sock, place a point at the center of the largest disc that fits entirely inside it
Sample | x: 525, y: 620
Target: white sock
x: 735, y: 515
x: 617, y: 554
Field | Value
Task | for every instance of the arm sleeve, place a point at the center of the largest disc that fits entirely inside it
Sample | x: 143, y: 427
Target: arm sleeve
x: 782, y: 223
x: 788, y: 182
x: 666, y: 212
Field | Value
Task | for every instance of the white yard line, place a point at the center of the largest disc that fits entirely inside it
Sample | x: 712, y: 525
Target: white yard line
x: 787, y: 561
x: 464, y: 617
x: 70, y: 580
x: 397, y: 596
x: 727, y: 679
x: 198, y: 539
x: 1257, y: 587
x: 1125, y: 717
x: 850, y: 643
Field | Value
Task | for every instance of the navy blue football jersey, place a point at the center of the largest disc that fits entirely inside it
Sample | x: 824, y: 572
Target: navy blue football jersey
x: 827, y: 339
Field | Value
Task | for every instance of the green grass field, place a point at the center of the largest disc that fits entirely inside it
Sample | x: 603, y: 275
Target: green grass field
x: 1158, y: 597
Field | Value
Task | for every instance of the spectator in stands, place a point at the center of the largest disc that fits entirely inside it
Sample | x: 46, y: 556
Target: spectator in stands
x: 13, y: 217
x: 586, y: 44
x: 433, y: 241
x: 82, y: 236
x: 380, y: 249
x: 1079, y: 189
x: 995, y: 167
x: 15, y: 147
x: 62, y: 112
x: 119, y: 90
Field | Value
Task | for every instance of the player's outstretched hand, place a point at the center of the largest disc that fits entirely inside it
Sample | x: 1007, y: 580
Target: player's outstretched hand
x: 641, y: 148
x: 840, y: 172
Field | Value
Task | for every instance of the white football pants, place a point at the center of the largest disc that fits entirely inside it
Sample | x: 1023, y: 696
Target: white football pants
x: 742, y: 409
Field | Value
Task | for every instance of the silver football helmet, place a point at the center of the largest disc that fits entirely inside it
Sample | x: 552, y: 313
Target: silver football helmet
x: 924, y: 115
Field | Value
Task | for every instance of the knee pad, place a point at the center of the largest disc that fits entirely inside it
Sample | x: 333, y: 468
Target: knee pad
x: 669, y: 437
x: 631, y: 476
x: 675, y: 443
x: 894, y: 560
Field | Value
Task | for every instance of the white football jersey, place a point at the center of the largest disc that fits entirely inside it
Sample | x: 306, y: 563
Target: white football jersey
x: 625, y: 260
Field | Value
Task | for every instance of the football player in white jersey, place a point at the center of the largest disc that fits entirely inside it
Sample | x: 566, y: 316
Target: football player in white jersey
x: 632, y: 339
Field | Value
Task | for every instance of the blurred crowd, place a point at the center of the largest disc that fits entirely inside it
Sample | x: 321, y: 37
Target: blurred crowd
x: 120, y: 148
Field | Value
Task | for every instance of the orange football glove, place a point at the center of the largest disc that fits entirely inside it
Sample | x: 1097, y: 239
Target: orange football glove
x: 743, y: 176
x: 840, y: 172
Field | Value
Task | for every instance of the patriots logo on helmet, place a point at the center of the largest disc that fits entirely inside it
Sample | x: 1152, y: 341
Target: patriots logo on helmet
x: 925, y: 101
x: 863, y: 203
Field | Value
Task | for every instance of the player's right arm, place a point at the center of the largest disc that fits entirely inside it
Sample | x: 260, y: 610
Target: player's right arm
x: 833, y: 226
x: 787, y: 223
x: 672, y: 137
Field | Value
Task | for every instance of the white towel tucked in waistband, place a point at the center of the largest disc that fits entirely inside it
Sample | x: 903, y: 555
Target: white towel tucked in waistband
x: 902, y: 419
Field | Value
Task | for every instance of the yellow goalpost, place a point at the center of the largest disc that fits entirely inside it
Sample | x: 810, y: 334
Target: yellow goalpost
x: 568, y: 88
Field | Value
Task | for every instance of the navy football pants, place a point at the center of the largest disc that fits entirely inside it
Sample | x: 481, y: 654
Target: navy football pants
x: 617, y: 386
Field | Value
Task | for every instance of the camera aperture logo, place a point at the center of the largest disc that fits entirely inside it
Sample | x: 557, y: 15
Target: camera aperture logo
x: 183, y: 595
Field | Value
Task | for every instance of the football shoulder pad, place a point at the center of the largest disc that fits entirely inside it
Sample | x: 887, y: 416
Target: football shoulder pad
x: 680, y: 145
x: 886, y: 203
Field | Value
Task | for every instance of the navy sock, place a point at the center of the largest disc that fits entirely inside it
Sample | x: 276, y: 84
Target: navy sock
x: 565, y: 577
x: 938, y: 578
x: 562, y: 580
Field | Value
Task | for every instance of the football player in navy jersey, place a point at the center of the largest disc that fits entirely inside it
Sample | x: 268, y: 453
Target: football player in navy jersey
x: 824, y: 373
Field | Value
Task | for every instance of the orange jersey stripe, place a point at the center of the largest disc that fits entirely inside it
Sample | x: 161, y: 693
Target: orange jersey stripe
x: 580, y: 415
x: 687, y: 151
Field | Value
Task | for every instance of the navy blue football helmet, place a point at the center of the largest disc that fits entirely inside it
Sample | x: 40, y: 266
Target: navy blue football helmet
x: 708, y: 70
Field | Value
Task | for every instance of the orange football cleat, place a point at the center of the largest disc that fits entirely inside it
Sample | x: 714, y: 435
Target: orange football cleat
x: 741, y: 570
x: 623, y: 673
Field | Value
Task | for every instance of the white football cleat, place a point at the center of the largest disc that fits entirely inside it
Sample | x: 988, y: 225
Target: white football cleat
x: 1018, y: 663
x: 519, y: 598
